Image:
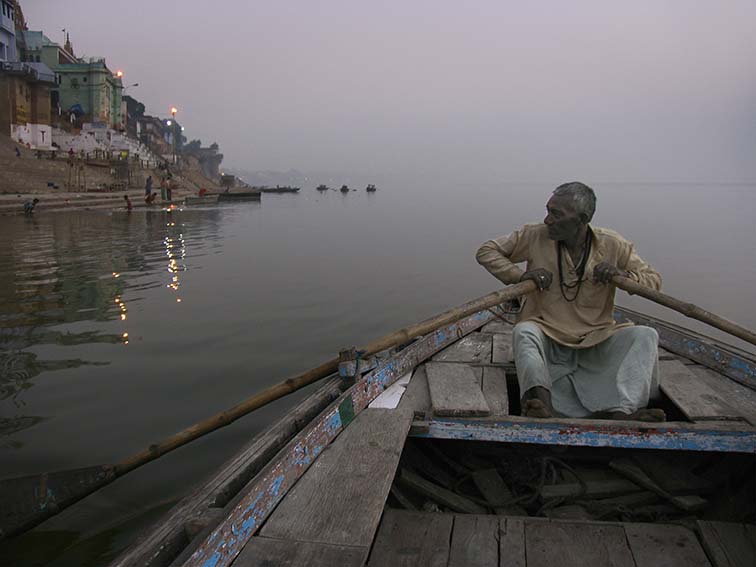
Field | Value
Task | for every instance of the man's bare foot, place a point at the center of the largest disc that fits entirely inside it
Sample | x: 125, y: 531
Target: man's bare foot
x: 535, y: 408
x: 643, y: 414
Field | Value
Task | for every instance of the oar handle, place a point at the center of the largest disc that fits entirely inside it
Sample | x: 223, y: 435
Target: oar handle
x: 686, y: 308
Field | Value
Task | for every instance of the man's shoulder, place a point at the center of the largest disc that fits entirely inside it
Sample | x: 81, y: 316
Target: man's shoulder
x: 534, y: 230
x: 609, y: 236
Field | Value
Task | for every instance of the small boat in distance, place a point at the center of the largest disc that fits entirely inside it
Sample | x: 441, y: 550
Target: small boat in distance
x: 322, y: 187
x: 344, y: 189
x: 279, y: 189
x: 370, y: 188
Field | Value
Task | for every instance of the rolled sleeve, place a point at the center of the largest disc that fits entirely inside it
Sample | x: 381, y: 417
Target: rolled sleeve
x: 641, y: 271
x: 500, y: 256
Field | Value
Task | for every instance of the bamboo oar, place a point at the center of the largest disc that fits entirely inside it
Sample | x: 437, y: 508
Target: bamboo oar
x: 28, y: 501
x: 686, y: 308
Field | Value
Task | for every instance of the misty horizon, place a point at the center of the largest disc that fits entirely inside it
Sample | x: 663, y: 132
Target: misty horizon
x: 496, y: 92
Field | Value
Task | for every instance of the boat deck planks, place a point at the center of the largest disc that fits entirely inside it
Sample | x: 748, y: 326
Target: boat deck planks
x: 664, y: 545
x: 340, y: 498
x: 737, y: 396
x: 434, y: 539
x: 502, y: 352
x: 494, y: 387
x: 694, y: 397
x: 416, y: 396
x: 267, y: 552
x: 475, y: 348
x: 412, y: 539
x: 474, y: 541
x: 512, y: 543
x: 729, y: 544
x: 576, y: 545
x: 455, y: 390
x: 497, y: 326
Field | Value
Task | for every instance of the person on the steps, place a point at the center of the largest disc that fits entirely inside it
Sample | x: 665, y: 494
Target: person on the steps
x: 29, y: 206
x: 129, y: 206
x: 572, y: 358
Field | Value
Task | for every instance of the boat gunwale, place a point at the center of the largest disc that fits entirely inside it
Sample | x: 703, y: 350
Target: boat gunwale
x: 724, y: 358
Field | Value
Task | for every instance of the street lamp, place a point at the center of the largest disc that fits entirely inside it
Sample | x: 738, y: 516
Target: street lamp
x: 174, y: 110
x: 119, y: 74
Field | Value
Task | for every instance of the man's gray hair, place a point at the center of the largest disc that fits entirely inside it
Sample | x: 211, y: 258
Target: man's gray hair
x: 583, y: 198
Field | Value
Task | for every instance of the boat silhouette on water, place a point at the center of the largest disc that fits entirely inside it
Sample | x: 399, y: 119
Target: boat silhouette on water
x: 279, y: 189
x: 370, y: 188
x: 344, y: 189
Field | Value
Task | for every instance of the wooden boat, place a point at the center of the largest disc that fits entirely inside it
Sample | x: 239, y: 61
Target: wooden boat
x: 322, y: 188
x: 370, y: 188
x: 248, y: 195
x: 281, y: 189
x: 417, y: 456
x: 204, y: 200
x: 344, y: 189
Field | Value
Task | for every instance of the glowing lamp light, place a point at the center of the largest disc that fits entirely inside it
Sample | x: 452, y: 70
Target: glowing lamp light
x: 168, y: 122
x: 174, y: 110
x: 119, y: 74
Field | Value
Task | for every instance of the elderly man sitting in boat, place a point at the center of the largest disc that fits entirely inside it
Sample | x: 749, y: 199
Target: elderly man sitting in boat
x: 572, y: 358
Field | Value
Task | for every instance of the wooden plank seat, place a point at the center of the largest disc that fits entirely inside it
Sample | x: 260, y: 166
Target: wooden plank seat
x: 695, y: 398
x: 455, y: 390
x: 475, y: 347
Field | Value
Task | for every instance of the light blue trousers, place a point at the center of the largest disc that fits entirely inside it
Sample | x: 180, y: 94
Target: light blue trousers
x: 619, y: 374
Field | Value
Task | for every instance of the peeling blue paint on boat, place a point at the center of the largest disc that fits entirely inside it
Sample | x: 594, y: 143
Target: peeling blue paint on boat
x: 743, y: 367
x: 704, y: 350
x: 213, y: 560
x: 550, y: 433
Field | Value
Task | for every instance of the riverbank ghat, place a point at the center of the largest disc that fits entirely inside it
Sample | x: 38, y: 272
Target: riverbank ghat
x: 95, y: 183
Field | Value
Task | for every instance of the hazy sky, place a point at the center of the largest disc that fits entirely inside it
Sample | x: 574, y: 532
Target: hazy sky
x: 480, y: 91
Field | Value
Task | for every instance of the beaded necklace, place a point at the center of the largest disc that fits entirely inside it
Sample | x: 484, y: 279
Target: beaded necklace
x: 564, y: 287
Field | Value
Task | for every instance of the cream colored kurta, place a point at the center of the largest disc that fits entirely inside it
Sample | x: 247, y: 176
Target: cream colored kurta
x: 588, y: 320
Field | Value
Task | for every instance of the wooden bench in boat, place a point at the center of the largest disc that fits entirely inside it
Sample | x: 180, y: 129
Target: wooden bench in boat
x: 322, y: 499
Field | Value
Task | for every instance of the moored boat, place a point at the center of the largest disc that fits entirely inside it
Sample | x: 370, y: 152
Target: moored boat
x: 246, y: 195
x: 427, y: 453
x: 280, y: 189
x: 344, y: 189
x: 204, y: 200
x: 322, y: 187
x: 370, y: 188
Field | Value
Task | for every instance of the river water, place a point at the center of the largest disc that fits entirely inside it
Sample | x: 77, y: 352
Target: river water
x: 118, y: 330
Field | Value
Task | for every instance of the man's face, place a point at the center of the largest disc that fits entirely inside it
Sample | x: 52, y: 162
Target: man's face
x: 562, y: 221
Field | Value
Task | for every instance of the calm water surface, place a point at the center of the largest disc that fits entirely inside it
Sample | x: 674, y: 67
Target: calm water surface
x: 118, y: 330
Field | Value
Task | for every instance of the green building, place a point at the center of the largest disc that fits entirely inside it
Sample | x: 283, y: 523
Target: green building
x: 85, y: 91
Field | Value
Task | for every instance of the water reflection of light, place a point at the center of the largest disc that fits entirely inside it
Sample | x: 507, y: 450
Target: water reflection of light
x: 122, y: 308
x: 175, y: 250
